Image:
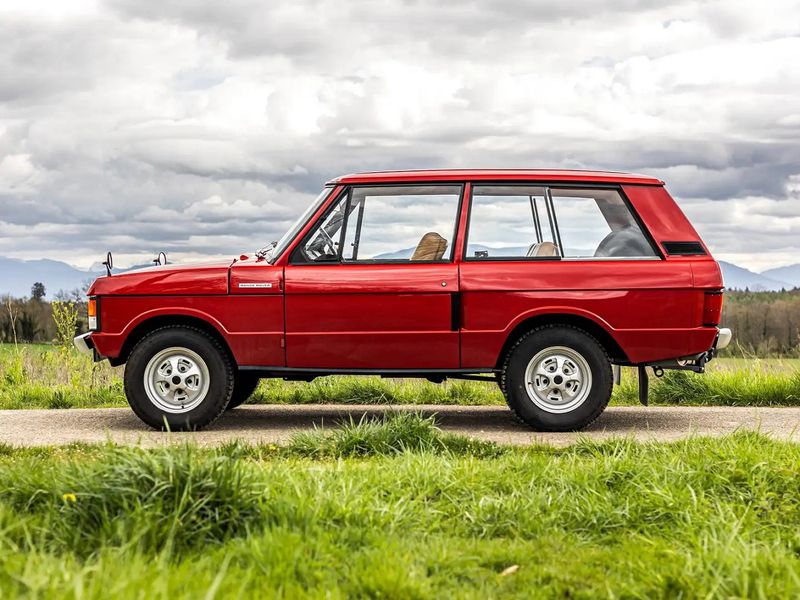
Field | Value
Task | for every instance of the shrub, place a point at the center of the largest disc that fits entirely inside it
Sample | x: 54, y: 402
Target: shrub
x: 65, y: 316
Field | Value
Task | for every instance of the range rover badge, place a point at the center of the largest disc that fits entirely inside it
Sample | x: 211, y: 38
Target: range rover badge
x: 254, y: 285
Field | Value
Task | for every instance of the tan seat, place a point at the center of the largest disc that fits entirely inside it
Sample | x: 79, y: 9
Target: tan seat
x: 430, y: 247
x: 542, y: 249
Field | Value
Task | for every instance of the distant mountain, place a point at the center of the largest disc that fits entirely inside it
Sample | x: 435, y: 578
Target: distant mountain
x: 471, y: 249
x: 790, y: 274
x: 404, y: 253
x: 17, y: 276
x: 739, y: 278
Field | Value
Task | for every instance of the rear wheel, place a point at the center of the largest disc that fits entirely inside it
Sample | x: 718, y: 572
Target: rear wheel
x: 243, y: 387
x: 178, y: 378
x: 557, y: 378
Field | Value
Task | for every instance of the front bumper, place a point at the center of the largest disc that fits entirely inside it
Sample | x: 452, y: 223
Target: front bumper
x: 84, y: 344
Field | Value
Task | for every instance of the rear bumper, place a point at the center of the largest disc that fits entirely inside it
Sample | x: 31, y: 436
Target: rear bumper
x: 723, y: 338
x: 696, y: 362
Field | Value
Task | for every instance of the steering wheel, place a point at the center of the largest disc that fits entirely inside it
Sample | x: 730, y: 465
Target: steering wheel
x: 329, y: 243
x: 321, y: 247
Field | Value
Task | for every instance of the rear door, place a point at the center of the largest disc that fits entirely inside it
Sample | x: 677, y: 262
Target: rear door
x: 372, y: 285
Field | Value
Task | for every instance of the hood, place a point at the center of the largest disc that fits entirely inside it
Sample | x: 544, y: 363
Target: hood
x: 191, y: 279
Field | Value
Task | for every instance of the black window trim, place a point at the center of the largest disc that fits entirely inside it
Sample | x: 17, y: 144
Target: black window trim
x: 551, y: 214
x: 294, y: 259
x: 537, y: 225
x: 547, y: 185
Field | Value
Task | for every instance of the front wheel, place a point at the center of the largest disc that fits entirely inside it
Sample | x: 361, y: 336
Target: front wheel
x: 178, y: 378
x: 557, y: 379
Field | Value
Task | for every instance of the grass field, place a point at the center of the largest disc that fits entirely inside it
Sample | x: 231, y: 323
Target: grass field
x: 399, y: 510
x: 396, y: 508
x: 43, y: 376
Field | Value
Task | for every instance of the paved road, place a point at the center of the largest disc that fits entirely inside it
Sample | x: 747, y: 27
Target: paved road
x: 276, y: 424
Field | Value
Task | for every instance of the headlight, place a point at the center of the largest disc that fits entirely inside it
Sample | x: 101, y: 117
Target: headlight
x: 91, y: 309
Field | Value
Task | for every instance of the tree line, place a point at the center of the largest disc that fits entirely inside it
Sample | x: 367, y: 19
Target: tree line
x: 763, y: 323
x: 36, y: 320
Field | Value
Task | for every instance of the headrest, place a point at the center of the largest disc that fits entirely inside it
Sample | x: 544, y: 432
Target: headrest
x: 430, y: 247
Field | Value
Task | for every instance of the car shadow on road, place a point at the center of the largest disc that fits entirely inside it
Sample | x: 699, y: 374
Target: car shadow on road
x: 467, y: 418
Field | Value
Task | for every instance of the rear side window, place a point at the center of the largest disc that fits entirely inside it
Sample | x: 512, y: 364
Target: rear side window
x: 535, y: 222
x: 598, y: 224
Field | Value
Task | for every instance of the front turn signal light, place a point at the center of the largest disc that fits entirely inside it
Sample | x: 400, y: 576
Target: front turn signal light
x: 91, y: 309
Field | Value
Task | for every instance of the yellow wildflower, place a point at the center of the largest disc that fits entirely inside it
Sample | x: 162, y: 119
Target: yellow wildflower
x: 69, y: 497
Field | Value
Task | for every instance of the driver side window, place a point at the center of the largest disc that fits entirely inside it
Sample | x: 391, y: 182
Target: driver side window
x: 323, y: 244
x: 403, y: 223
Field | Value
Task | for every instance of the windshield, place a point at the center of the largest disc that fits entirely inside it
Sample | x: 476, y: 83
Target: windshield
x: 276, y: 248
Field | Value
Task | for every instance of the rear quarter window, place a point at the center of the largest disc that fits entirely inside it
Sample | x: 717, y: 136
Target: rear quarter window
x: 597, y: 224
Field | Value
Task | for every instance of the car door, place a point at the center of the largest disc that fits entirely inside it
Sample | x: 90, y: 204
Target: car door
x: 373, y: 284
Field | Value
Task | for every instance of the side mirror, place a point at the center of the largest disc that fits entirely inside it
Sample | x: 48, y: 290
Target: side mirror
x: 109, y: 263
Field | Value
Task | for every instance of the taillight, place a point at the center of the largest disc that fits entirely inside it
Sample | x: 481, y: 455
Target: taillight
x: 91, y: 309
x: 712, y: 308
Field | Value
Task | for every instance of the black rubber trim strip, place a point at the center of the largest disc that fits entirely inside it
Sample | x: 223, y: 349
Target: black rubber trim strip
x: 455, y: 311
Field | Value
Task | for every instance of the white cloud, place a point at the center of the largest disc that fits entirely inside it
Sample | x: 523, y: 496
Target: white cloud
x: 203, y: 127
x: 17, y: 175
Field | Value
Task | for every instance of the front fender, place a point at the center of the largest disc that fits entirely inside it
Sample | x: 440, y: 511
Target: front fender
x: 121, y: 318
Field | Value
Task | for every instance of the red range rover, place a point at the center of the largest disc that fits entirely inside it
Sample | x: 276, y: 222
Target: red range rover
x: 540, y: 280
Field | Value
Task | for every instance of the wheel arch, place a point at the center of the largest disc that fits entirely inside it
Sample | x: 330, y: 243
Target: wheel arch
x: 149, y: 324
x: 590, y: 326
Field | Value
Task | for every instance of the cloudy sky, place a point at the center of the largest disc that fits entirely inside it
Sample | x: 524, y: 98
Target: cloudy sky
x: 203, y: 127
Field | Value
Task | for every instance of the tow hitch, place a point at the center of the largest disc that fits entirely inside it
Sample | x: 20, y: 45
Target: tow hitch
x: 697, y: 364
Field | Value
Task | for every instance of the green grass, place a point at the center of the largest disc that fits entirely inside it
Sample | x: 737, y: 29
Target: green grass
x: 396, y: 509
x: 46, y: 376
x: 397, y: 434
x: 726, y: 382
x: 42, y: 376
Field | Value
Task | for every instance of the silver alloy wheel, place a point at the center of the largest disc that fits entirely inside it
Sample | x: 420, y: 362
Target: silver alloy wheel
x: 558, y: 379
x: 176, y: 380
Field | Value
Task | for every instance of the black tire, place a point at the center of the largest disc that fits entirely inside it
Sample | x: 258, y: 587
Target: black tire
x: 528, y: 408
x: 199, y: 346
x: 243, y: 387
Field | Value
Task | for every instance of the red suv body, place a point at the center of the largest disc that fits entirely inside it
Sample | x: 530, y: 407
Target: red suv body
x: 539, y: 278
